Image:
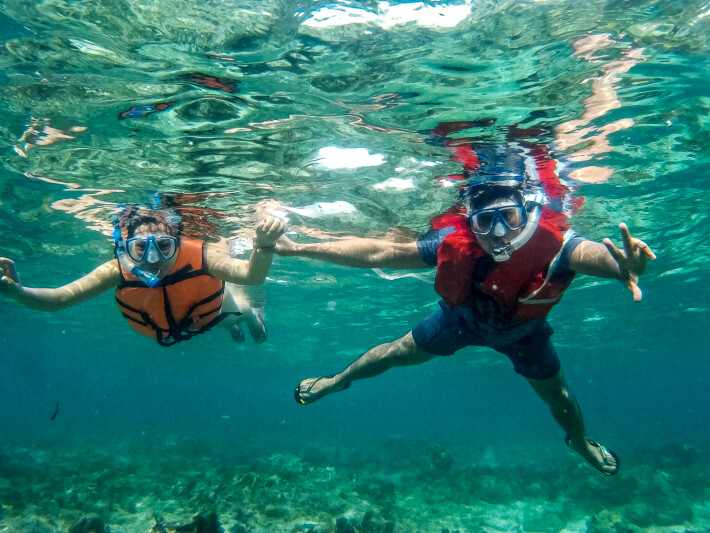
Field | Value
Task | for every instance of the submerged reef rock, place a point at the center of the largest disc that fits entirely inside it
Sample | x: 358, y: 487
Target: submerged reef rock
x: 88, y: 524
x: 344, y: 525
x: 441, y: 458
x: 200, y: 523
x: 252, y: 490
x: 609, y: 522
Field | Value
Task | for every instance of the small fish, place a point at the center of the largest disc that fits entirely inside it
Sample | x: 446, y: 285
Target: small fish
x: 56, y: 410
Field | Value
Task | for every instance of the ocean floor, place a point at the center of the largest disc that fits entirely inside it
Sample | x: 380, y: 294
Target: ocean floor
x: 397, y: 485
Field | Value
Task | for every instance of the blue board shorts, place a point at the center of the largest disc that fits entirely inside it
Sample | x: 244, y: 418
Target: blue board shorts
x: 527, y: 346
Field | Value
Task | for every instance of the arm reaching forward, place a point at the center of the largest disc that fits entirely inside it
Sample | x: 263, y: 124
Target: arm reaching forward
x: 94, y: 283
x: 254, y: 271
x: 357, y: 252
x: 607, y: 261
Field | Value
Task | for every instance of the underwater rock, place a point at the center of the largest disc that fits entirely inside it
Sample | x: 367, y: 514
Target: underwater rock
x: 379, y: 491
x: 640, y: 514
x: 674, y: 515
x: 441, y: 458
x: 609, y: 522
x: 491, y: 489
x: 89, y: 524
x: 208, y: 523
x: 370, y: 524
x: 200, y: 523
x: 344, y: 525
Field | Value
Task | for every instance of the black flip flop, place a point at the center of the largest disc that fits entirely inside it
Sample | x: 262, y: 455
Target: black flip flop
x: 299, y: 396
x: 606, y: 454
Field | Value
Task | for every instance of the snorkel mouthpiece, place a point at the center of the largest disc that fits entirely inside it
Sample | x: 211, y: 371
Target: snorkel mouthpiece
x: 149, y: 279
x: 502, y: 253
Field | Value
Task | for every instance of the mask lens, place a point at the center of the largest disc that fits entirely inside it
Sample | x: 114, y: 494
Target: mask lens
x: 136, y: 248
x: 481, y: 221
x: 513, y: 217
x: 167, y: 247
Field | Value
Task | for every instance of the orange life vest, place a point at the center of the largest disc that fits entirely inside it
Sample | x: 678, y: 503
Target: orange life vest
x: 187, y: 302
x: 523, y: 284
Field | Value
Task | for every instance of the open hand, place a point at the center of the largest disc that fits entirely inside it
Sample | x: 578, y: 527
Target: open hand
x: 9, y: 280
x: 632, y: 261
x: 268, y: 230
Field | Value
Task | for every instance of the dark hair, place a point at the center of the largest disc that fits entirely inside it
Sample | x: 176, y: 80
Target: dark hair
x: 134, y: 216
x: 478, y: 196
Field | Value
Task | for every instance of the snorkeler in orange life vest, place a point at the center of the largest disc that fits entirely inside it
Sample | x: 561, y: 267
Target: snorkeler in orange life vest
x: 168, y: 287
x: 503, y: 258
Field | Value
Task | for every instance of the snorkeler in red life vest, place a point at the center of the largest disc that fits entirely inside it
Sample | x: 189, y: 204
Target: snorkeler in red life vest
x: 503, y: 258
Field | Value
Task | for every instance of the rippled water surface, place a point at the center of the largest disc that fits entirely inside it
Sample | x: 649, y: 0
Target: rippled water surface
x: 323, y: 113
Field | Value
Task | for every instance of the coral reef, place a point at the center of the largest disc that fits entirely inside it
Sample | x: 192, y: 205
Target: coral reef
x: 186, y: 487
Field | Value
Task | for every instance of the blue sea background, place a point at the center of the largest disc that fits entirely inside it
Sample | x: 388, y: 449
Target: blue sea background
x: 639, y: 370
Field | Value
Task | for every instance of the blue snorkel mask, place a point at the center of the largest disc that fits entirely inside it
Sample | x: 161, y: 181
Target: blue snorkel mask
x: 152, y: 249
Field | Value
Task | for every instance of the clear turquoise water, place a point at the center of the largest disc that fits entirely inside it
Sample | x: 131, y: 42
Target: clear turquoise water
x: 640, y: 371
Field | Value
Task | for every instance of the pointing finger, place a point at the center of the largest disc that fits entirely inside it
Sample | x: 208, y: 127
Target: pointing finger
x: 626, y: 238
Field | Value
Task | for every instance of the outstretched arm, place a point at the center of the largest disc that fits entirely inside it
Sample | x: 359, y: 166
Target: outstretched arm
x: 607, y: 261
x: 357, y: 252
x: 254, y: 271
x: 91, y: 285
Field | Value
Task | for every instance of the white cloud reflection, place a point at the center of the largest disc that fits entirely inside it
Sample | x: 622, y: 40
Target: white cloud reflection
x: 332, y: 157
x: 388, y: 15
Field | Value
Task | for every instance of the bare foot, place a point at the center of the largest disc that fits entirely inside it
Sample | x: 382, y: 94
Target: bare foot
x: 257, y: 328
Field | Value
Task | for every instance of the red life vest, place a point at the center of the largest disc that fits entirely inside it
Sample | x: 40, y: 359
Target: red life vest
x: 521, y: 284
x: 187, y: 302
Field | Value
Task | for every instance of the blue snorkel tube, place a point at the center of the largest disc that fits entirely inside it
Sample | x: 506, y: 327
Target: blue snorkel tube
x: 149, y: 279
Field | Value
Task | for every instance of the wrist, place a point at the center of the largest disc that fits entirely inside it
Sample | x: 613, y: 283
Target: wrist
x: 263, y: 247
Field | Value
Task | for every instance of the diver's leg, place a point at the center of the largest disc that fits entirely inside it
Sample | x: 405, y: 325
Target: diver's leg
x: 402, y: 352
x: 556, y: 394
x: 535, y: 358
x: 235, y: 300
